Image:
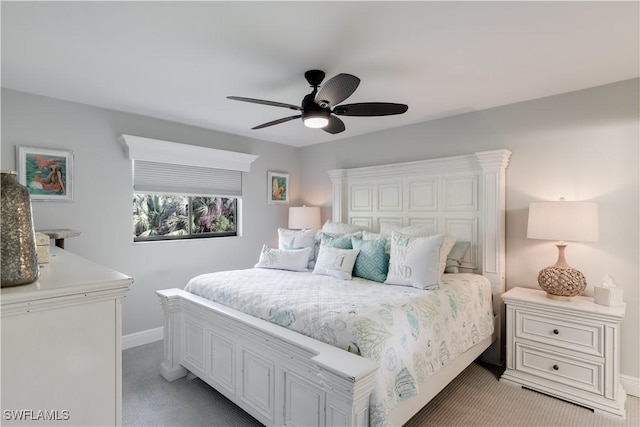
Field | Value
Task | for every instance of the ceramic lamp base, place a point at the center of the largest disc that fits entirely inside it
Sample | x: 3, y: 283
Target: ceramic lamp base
x: 558, y: 297
x: 561, y: 281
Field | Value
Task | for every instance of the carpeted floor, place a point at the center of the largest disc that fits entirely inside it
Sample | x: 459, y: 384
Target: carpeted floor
x: 474, y: 398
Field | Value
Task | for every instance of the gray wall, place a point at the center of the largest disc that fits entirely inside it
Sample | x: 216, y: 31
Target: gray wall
x: 581, y: 146
x: 102, y: 207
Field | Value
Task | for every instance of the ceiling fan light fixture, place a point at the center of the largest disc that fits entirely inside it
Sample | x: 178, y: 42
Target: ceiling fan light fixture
x: 316, y: 122
x: 314, y: 116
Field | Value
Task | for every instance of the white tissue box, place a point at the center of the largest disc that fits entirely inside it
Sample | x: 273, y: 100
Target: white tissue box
x: 611, y: 297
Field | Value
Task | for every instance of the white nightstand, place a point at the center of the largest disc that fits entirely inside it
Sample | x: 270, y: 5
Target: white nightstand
x: 567, y: 349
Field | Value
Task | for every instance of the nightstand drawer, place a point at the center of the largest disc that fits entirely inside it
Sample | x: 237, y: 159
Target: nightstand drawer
x: 556, y: 331
x: 562, y: 369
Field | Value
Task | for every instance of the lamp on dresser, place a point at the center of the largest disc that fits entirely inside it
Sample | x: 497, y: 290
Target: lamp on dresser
x: 562, y: 221
x: 304, y: 217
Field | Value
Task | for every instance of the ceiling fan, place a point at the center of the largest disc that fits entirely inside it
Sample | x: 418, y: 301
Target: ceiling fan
x: 320, y: 108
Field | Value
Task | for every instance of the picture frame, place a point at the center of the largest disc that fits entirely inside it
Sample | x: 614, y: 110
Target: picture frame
x: 277, y: 187
x: 46, y: 172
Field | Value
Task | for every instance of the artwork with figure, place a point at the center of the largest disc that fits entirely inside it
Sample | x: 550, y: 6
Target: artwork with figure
x: 278, y: 187
x: 46, y: 173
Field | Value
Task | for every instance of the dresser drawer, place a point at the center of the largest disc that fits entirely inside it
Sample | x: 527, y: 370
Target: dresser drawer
x: 582, y: 337
x: 562, y: 369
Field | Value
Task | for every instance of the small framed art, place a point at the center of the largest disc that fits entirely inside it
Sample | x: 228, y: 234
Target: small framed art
x: 47, y: 173
x: 278, y: 187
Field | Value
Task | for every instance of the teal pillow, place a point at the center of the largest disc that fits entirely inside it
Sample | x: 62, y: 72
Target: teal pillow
x: 372, y: 262
x: 336, y: 241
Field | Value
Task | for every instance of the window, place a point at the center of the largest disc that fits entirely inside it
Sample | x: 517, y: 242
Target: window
x: 183, y: 191
x: 168, y: 217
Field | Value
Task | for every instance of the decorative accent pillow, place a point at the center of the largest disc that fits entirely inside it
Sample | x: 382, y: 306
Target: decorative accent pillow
x: 298, y: 239
x: 341, y: 241
x: 454, y: 259
x: 284, y: 259
x: 367, y: 235
x: 412, y: 230
x: 447, y: 244
x: 341, y: 227
x: 372, y: 262
x: 415, y: 261
x: 335, y: 262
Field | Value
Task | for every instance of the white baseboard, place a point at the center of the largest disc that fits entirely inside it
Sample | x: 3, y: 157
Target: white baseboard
x: 143, y: 337
x: 631, y: 385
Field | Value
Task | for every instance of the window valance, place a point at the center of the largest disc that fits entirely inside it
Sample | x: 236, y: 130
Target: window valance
x: 159, y: 151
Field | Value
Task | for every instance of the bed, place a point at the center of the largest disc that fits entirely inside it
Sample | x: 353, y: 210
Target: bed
x: 278, y: 363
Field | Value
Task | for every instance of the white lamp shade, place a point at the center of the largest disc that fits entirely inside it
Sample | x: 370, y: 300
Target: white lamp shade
x: 304, y: 217
x: 562, y: 220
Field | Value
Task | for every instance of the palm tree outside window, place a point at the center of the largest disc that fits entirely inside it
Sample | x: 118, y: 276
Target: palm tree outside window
x: 171, y: 217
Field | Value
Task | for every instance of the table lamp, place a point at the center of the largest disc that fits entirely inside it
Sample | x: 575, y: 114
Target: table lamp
x: 562, y: 221
x: 304, y: 217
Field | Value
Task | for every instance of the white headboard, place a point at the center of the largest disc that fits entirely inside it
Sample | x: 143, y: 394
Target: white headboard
x: 463, y: 196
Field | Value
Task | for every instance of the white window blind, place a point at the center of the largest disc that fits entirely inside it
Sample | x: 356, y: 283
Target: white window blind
x: 154, y: 177
x: 173, y: 168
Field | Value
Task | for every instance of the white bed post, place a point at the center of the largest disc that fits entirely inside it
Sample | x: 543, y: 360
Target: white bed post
x: 339, y: 183
x: 494, y: 164
x: 170, y: 368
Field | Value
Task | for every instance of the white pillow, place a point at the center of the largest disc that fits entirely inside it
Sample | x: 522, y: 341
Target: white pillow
x: 412, y: 230
x: 367, y: 235
x: 415, y: 261
x: 417, y: 231
x: 455, y: 257
x: 341, y: 228
x: 445, y: 250
x: 298, y: 239
x: 336, y: 262
x: 284, y: 259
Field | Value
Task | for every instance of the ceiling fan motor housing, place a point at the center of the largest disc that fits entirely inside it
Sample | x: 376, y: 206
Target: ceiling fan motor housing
x: 311, y: 109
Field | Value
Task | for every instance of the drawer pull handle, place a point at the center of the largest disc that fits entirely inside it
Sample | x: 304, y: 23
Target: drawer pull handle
x: 556, y: 367
x: 556, y: 332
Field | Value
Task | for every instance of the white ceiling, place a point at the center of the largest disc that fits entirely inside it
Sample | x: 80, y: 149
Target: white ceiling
x: 179, y: 60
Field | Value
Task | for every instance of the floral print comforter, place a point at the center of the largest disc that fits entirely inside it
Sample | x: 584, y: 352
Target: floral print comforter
x: 410, y: 332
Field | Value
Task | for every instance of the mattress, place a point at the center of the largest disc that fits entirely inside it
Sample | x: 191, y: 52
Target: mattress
x: 411, y: 333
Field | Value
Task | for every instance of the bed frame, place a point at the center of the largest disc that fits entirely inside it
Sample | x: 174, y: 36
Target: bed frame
x: 281, y: 377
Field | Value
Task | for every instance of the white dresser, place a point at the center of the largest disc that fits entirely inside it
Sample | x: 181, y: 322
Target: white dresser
x: 567, y: 349
x: 61, y: 345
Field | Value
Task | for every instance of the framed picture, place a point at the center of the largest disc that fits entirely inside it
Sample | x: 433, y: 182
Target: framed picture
x: 47, y: 173
x: 277, y: 187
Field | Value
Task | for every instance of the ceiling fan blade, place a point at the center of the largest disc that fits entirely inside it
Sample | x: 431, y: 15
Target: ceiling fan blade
x: 335, y: 125
x: 277, y: 122
x: 370, y: 109
x: 263, y: 102
x: 337, y: 89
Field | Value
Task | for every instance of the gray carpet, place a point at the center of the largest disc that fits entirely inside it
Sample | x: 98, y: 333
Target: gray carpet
x: 474, y: 398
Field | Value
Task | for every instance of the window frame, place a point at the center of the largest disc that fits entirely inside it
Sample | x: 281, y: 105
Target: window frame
x: 191, y: 235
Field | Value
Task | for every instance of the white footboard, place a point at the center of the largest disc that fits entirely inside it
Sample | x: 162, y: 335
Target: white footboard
x: 278, y: 376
